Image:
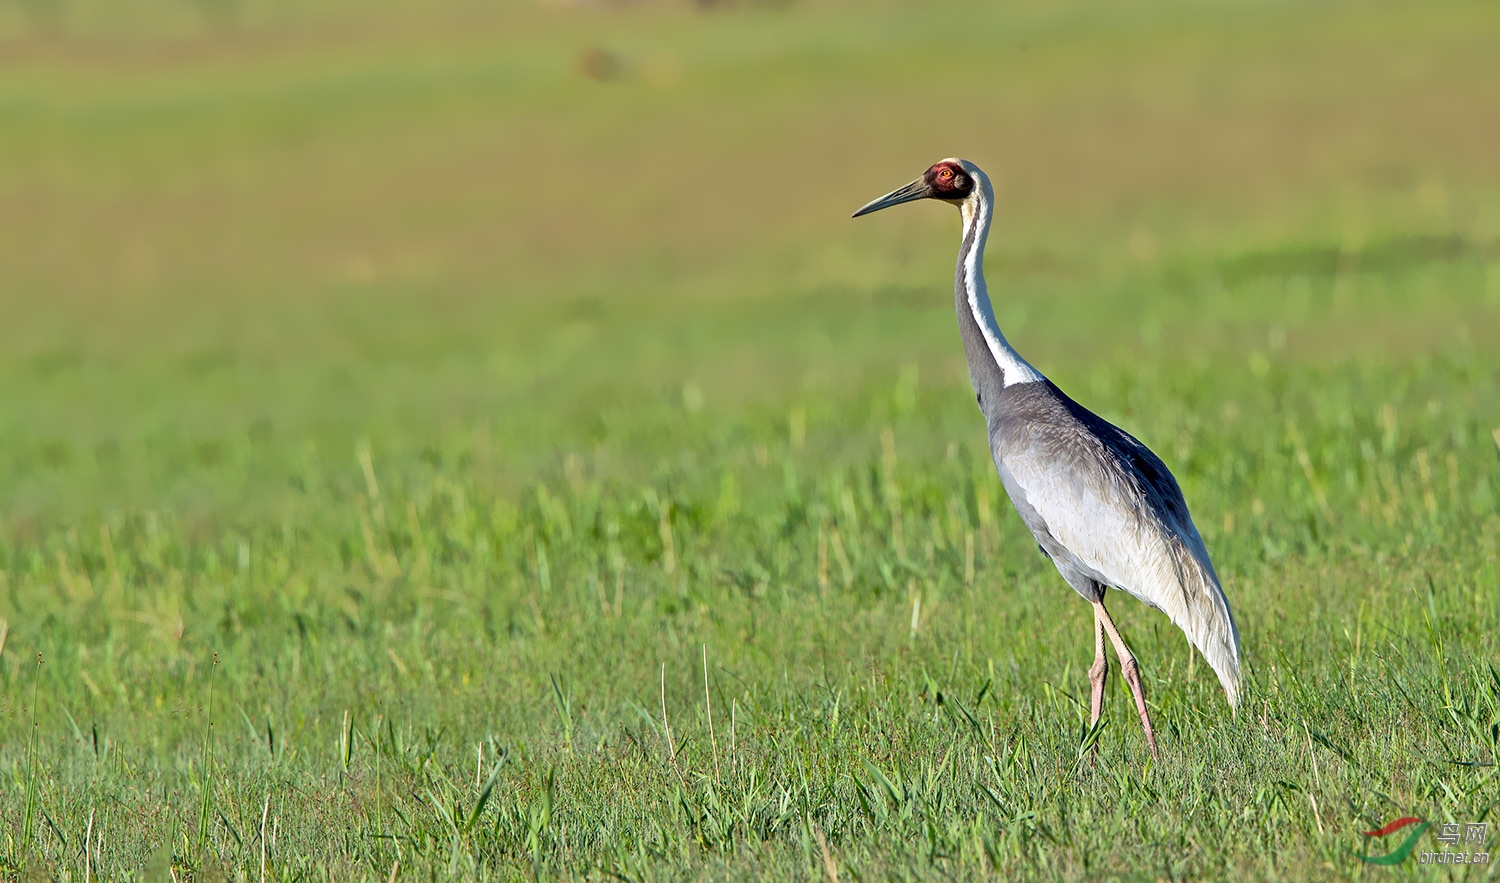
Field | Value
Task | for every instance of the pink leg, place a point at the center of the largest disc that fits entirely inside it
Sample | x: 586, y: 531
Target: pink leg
x: 1098, y: 673
x: 1131, y: 671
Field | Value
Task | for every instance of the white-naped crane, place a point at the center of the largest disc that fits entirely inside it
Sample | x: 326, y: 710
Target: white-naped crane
x: 1101, y: 505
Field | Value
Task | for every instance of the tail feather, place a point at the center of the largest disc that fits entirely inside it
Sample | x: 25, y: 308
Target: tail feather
x: 1204, y: 616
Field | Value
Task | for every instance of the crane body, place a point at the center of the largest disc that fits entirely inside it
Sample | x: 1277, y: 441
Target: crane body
x: 1101, y: 505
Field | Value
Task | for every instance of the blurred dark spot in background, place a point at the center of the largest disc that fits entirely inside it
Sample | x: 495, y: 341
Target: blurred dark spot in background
x: 599, y: 64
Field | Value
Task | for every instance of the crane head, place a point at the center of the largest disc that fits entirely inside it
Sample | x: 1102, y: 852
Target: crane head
x: 951, y: 180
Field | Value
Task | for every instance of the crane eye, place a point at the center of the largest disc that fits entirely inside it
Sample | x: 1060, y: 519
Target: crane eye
x: 945, y: 174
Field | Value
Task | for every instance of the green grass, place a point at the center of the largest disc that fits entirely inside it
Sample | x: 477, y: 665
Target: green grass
x: 420, y: 459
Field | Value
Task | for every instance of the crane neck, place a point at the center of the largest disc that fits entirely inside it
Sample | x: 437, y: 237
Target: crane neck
x: 973, y: 295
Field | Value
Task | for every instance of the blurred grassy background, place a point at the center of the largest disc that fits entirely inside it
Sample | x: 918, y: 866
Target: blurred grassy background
x: 463, y: 373
x: 224, y: 222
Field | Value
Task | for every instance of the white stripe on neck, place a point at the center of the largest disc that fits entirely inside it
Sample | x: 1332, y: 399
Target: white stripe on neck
x: 1017, y: 370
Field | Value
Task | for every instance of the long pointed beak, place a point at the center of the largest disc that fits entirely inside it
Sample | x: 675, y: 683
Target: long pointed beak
x: 917, y: 189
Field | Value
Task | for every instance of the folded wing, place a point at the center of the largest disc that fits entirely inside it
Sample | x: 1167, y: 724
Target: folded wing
x: 1112, y: 503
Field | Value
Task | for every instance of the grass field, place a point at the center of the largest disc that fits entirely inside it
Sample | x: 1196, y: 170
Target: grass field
x: 471, y: 441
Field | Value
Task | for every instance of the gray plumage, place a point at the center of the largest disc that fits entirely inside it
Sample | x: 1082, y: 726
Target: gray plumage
x: 1102, y: 506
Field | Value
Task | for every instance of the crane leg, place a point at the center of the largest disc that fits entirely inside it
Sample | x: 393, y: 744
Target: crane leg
x: 1098, y: 672
x: 1130, y: 670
